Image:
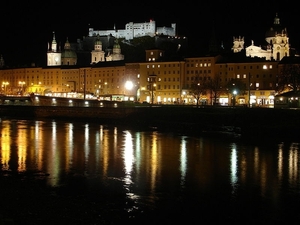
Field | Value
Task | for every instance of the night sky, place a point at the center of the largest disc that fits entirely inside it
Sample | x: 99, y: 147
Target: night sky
x: 26, y: 27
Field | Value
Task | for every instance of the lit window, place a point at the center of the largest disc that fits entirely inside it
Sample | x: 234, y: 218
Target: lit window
x: 244, y: 76
x: 209, y: 64
x: 265, y: 67
x: 151, y: 53
x: 257, y: 85
x: 205, y: 65
x: 238, y: 76
x: 153, y: 59
x: 271, y: 67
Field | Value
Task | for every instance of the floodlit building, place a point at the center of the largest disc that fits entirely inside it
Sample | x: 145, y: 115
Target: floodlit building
x: 53, y: 53
x: 133, y: 30
x: 277, y: 44
x: 158, y: 79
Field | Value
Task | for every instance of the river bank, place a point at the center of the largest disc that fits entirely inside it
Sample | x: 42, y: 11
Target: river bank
x: 248, y: 122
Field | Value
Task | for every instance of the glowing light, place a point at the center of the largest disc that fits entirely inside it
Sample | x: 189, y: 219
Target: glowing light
x: 128, y: 85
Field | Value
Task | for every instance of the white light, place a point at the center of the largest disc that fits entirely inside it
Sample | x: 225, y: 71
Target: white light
x: 128, y: 85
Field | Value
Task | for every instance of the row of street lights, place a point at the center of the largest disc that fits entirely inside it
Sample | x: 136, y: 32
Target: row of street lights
x: 5, y: 84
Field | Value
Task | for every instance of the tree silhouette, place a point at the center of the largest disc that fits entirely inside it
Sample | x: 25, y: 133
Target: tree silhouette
x: 215, y: 88
x: 289, y: 78
x: 198, y: 90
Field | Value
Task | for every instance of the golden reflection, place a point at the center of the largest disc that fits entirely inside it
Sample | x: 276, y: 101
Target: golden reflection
x: 154, y: 161
x: 280, y: 162
x: 22, y: 144
x: 69, y: 144
x: 5, y: 145
x: 115, y: 141
x: 105, y: 150
x: 293, y: 163
x: 38, y: 144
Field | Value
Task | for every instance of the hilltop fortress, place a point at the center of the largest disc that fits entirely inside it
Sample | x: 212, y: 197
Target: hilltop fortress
x: 133, y: 30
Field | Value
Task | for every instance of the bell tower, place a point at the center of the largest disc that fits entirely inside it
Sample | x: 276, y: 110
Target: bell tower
x: 53, y: 54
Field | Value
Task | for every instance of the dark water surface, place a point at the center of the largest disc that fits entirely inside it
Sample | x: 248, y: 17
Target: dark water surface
x: 151, y: 177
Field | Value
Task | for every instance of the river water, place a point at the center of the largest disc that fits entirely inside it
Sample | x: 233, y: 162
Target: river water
x: 153, y: 177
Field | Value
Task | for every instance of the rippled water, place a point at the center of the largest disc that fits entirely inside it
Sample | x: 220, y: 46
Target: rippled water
x: 160, y: 177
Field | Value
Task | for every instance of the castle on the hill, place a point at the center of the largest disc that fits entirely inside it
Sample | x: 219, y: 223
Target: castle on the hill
x: 133, y: 30
x: 277, y: 44
x: 112, y: 52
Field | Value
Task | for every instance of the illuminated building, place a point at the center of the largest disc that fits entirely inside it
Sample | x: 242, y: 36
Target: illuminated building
x: 277, y: 44
x: 133, y: 30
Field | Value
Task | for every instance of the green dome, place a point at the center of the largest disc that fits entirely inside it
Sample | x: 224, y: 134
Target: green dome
x: 68, y: 54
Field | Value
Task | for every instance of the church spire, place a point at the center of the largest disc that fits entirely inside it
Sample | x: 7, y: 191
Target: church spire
x: 54, y: 44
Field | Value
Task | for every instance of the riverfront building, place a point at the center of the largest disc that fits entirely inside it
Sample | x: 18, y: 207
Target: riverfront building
x: 191, y: 80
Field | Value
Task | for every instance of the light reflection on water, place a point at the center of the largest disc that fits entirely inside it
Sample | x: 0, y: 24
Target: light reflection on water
x: 168, y: 172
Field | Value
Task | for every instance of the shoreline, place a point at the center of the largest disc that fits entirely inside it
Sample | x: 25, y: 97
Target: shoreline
x: 248, y: 122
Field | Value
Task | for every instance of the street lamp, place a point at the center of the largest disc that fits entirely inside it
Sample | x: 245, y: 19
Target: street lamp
x: 128, y: 86
x: 5, y: 86
x: 234, y: 95
x: 22, y: 83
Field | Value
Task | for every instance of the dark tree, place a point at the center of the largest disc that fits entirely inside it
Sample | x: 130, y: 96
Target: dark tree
x: 215, y: 88
x: 289, y: 78
x: 198, y: 89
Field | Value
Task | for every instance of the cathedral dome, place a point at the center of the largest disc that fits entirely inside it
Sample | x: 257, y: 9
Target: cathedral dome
x: 68, y: 53
x: 276, y: 29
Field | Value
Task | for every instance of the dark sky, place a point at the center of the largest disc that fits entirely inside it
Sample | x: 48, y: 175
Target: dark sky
x: 26, y: 27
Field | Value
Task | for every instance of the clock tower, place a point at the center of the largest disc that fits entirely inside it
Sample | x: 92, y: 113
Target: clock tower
x: 53, y: 54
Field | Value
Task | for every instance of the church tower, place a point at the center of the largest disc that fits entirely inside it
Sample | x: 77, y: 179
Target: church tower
x: 116, y: 53
x: 97, y: 53
x: 277, y: 38
x: 53, y: 54
x: 238, y: 44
